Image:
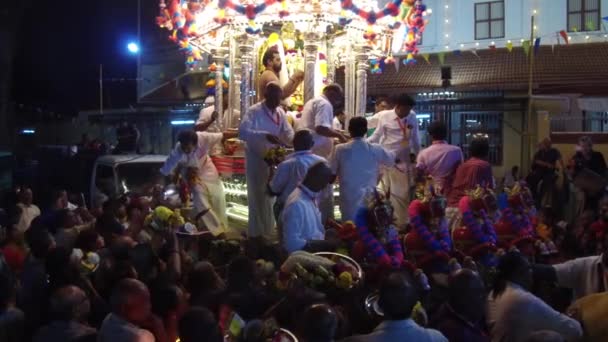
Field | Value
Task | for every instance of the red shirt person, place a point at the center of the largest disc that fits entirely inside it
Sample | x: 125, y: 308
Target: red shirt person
x: 473, y: 172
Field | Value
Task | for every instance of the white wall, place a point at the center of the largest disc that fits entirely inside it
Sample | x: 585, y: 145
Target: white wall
x: 551, y: 17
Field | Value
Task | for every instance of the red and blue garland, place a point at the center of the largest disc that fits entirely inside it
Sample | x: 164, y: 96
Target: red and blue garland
x: 394, y: 258
x: 482, y: 231
x: 441, y: 242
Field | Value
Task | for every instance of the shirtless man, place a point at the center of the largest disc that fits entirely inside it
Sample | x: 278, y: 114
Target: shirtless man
x: 272, y: 63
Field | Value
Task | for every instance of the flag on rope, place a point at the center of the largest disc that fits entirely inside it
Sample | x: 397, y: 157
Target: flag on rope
x: 457, y: 53
x: 590, y: 25
x: 426, y: 57
x: 474, y: 52
x: 509, y: 46
x: 492, y: 47
x: 564, y: 35
x: 536, y: 45
x: 526, y: 46
x: 441, y: 57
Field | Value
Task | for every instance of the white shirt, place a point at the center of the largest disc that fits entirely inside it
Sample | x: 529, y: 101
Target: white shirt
x: 357, y: 164
x: 301, y: 220
x: 517, y: 313
x: 258, y: 122
x: 399, y: 136
x: 28, y: 214
x: 198, y: 158
x: 337, y: 125
x: 372, y: 121
x: 583, y: 275
x: 318, y: 112
x: 291, y: 172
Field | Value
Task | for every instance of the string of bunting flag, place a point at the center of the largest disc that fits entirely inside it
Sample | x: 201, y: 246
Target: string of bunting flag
x: 562, y: 37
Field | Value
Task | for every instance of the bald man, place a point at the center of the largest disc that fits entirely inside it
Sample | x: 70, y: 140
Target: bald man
x: 131, y: 309
x: 264, y: 126
x: 69, y: 310
x: 461, y: 318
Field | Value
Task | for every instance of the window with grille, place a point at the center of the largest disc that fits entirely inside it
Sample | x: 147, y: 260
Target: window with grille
x: 583, y: 15
x: 589, y: 122
x: 490, y: 20
x: 465, y: 125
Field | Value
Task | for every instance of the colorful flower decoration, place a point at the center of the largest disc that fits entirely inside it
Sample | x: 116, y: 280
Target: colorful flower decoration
x: 181, y: 22
x: 250, y: 11
x: 391, y: 9
x: 424, y: 212
x: 413, y: 19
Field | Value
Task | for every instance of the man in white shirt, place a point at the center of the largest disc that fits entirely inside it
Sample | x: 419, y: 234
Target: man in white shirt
x: 293, y: 169
x: 440, y: 160
x: 338, y: 123
x: 301, y: 218
x: 397, y: 300
x: 29, y: 211
x: 397, y: 132
x: 191, y: 154
x: 381, y: 105
x: 514, y: 312
x: 317, y: 116
x: 264, y: 126
x: 357, y: 165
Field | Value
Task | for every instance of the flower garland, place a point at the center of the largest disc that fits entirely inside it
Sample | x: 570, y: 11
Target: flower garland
x: 441, y: 242
x: 520, y: 223
x: 482, y: 229
x: 394, y: 258
x: 182, y: 24
x: 250, y: 11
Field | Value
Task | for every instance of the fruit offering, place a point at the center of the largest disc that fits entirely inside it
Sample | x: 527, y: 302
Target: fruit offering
x: 274, y: 156
x: 320, y: 272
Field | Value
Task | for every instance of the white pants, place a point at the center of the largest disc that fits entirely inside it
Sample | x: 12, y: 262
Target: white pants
x: 398, y: 183
x: 326, y: 203
x: 210, y: 195
x: 261, y: 220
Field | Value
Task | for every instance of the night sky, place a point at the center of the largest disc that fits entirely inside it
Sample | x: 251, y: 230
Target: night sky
x: 60, y: 48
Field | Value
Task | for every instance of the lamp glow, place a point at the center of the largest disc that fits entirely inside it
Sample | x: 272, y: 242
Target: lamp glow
x: 133, y: 47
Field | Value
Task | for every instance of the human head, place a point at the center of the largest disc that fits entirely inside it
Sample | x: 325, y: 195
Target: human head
x: 397, y: 297
x: 273, y: 94
x: 515, y: 170
x: 585, y: 144
x: 169, y: 302
x: 40, y: 241
x: 357, y: 127
x: 437, y: 130
x: 403, y: 104
x: 272, y: 60
x: 318, y: 177
x: 187, y: 141
x: 59, y: 199
x: 467, y: 294
x: 303, y: 140
x: 319, y: 323
x: 381, y: 104
x: 546, y: 143
x: 25, y: 196
x: 512, y: 267
x: 545, y: 336
x: 70, y: 303
x: 203, y: 279
x: 199, y: 325
x: 334, y: 94
x: 89, y: 240
x: 131, y: 300
x: 479, y: 147
x: 341, y: 115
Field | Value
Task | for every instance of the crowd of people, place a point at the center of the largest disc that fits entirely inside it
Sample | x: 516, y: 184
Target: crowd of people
x: 135, y: 268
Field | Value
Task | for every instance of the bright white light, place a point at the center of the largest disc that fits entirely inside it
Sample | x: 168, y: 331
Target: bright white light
x: 182, y: 122
x: 492, y: 43
x: 447, y: 47
x: 461, y: 45
x: 477, y: 44
x: 28, y: 131
x: 587, y: 37
x: 423, y: 116
x: 508, y: 41
x: 521, y: 40
x: 133, y: 48
x: 534, y: 11
x: 447, y: 35
x: 447, y: 6
x: 429, y: 11
x: 447, y: 21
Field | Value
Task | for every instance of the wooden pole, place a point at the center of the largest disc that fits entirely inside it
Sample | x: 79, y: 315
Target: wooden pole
x: 529, y: 134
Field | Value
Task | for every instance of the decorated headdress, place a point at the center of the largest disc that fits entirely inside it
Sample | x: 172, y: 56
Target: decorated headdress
x: 520, y: 195
x: 482, y: 197
x: 380, y: 212
x: 434, y: 203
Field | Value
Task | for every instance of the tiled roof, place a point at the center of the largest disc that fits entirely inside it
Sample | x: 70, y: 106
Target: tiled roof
x: 561, y: 68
